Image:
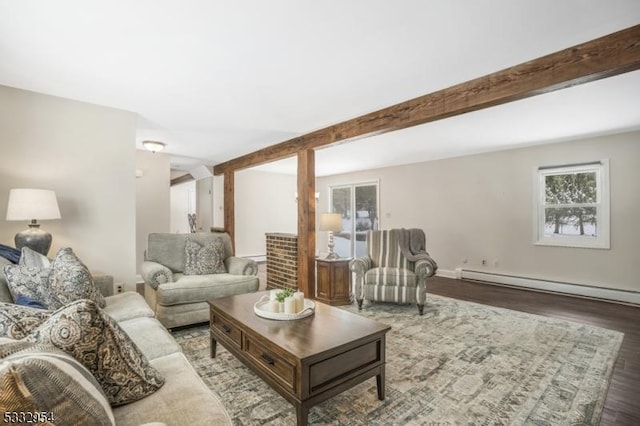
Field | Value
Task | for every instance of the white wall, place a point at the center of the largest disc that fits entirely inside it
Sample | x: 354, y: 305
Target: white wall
x: 183, y: 202
x: 86, y: 154
x: 481, y: 207
x: 218, y: 201
x: 264, y: 202
x: 152, y: 198
x: 204, y: 204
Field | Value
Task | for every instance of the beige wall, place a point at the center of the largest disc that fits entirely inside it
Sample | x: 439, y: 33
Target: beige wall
x: 84, y: 152
x: 481, y: 207
x: 265, y: 202
x: 152, y: 198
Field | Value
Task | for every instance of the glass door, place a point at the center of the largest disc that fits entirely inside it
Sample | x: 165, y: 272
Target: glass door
x: 358, y: 205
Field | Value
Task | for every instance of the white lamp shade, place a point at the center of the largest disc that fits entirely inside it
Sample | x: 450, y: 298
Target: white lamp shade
x: 331, y: 222
x: 29, y: 204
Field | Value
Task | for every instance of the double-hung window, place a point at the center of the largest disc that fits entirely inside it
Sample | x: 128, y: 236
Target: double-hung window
x: 572, y: 205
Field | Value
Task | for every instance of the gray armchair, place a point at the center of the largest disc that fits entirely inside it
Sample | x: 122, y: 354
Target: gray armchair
x: 179, y: 299
x: 395, y: 268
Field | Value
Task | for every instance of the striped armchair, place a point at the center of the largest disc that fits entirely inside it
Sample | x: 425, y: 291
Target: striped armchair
x: 395, y: 269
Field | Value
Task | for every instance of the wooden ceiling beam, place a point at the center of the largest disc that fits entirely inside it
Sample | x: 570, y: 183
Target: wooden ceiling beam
x: 181, y: 179
x: 603, y: 57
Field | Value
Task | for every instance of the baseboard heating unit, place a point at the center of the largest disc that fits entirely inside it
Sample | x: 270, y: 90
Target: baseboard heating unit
x: 571, y: 289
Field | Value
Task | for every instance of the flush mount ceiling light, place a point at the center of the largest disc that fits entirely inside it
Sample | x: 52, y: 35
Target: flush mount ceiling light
x: 153, y: 146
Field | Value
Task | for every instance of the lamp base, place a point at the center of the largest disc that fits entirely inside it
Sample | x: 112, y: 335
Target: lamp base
x: 34, y: 238
x: 332, y: 255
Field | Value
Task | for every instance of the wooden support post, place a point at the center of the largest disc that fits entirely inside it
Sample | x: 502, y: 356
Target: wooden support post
x: 307, y: 222
x: 229, y: 206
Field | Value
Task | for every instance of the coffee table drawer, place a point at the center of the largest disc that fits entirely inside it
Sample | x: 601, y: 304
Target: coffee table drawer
x: 223, y: 326
x: 326, y: 372
x: 272, y: 362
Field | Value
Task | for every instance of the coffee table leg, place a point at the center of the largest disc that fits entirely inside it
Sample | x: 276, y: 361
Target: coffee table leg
x: 380, y: 384
x: 213, y: 347
x: 302, y: 414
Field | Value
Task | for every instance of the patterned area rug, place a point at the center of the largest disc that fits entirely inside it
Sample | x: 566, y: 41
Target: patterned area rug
x: 460, y: 363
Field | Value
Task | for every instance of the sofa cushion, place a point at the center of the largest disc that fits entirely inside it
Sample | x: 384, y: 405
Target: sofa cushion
x: 204, y: 260
x: 184, y: 400
x: 153, y: 340
x: 98, y: 342
x: 399, y: 277
x: 127, y: 305
x: 50, y: 385
x: 200, y: 288
x: 71, y: 280
x: 18, y: 321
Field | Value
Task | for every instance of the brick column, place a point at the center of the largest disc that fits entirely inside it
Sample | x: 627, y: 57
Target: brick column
x: 282, y: 261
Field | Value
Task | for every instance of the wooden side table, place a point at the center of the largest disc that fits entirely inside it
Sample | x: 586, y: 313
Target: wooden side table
x: 333, y: 281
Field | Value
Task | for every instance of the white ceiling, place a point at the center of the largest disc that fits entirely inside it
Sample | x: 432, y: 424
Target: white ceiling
x: 216, y: 79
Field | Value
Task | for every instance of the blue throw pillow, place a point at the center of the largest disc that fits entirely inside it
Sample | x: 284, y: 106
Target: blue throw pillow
x: 27, y: 301
x: 10, y: 253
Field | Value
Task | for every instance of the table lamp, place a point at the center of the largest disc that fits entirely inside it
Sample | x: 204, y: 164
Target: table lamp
x: 331, y: 222
x: 34, y: 205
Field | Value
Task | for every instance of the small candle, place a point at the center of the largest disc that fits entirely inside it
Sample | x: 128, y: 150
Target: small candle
x: 289, y: 305
x: 273, y: 306
x: 299, y: 297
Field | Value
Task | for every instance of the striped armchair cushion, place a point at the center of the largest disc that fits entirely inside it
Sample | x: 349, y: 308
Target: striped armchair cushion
x: 384, y: 250
x: 399, y: 277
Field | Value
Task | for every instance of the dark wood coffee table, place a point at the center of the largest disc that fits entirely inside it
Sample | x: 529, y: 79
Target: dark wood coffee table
x: 308, y: 360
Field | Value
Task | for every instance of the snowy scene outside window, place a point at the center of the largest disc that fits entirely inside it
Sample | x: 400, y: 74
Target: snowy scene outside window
x: 358, y: 205
x: 573, y: 205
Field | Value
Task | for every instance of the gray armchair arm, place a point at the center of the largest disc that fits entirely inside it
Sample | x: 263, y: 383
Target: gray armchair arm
x: 155, y: 274
x: 241, y: 266
x: 424, y: 268
x: 359, y: 267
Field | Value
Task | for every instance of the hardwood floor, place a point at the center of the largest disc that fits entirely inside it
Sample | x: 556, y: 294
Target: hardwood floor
x: 622, y: 406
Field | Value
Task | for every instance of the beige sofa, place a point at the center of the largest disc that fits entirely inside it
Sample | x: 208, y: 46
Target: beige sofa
x: 184, y: 398
x: 179, y: 299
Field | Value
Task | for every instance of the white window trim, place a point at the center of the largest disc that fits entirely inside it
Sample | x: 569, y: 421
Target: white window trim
x: 602, y: 240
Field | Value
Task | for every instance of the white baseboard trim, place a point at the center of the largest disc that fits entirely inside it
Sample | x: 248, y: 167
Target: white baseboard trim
x: 444, y: 273
x: 572, y: 289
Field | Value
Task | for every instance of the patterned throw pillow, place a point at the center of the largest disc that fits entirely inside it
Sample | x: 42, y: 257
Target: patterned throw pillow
x: 18, y: 321
x: 66, y: 280
x: 204, y: 260
x: 43, y: 384
x: 97, y: 341
x: 31, y: 282
x: 34, y: 259
x: 71, y: 280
